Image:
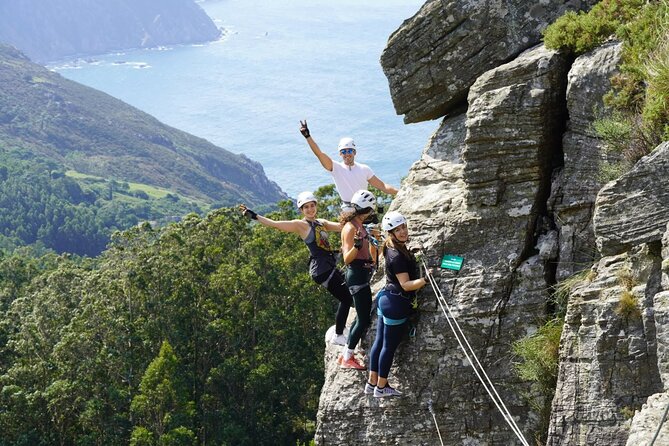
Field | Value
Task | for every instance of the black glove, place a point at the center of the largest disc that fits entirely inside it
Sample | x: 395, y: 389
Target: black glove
x: 248, y: 212
x: 304, y: 129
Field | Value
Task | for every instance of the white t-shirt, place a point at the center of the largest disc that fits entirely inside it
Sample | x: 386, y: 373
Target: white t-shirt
x: 350, y: 180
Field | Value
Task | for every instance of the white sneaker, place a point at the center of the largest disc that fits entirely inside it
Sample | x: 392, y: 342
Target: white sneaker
x: 337, y: 339
x: 369, y: 389
x: 386, y: 392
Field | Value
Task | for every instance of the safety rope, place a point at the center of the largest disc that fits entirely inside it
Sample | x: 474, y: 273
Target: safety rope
x: 434, y: 417
x: 469, y: 353
x: 659, y: 427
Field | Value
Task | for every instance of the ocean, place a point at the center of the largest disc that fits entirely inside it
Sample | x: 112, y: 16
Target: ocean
x: 277, y: 63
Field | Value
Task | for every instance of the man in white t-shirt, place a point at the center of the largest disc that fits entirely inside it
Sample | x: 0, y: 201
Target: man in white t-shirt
x: 349, y: 176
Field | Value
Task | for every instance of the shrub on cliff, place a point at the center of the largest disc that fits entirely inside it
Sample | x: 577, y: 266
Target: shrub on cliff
x: 639, y: 97
x: 538, y: 363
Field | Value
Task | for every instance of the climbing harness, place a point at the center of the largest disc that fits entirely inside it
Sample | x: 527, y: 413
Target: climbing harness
x: 659, y: 427
x: 327, y: 281
x: 469, y: 354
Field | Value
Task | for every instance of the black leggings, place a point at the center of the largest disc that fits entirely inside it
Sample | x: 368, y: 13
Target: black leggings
x: 357, y: 279
x: 338, y: 288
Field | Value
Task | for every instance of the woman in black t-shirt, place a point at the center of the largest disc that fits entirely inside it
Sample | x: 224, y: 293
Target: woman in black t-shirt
x: 393, y: 303
x: 322, y: 262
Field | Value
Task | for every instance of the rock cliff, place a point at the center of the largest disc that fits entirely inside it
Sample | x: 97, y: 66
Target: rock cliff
x: 434, y: 57
x: 509, y: 181
x: 46, y: 31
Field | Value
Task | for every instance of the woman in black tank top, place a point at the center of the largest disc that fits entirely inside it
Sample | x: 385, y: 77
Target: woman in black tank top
x: 322, y: 261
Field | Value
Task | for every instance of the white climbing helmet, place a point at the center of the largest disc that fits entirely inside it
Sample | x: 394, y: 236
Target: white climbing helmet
x: 304, y: 198
x: 363, y: 199
x: 346, y: 143
x: 392, y: 220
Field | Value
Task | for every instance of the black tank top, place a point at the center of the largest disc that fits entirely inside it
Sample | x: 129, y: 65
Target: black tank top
x: 322, y: 258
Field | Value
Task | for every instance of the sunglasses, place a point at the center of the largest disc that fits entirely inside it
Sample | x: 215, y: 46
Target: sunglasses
x: 346, y: 151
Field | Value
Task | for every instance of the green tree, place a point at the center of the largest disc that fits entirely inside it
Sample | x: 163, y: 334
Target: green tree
x: 161, y: 407
x: 233, y: 299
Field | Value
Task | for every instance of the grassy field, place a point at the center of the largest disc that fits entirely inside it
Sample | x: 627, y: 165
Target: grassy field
x: 151, y: 191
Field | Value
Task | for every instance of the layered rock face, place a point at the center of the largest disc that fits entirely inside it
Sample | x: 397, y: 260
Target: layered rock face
x: 649, y: 423
x: 434, y: 57
x: 644, y: 189
x: 608, y: 362
x: 479, y: 191
x: 510, y: 182
x: 575, y: 184
x: 47, y: 31
x: 615, y: 342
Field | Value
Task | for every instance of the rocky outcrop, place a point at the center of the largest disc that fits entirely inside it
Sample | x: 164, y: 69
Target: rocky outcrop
x: 608, y: 363
x: 634, y: 209
x: 478, y: 190
x: 47, y: 31
x: 575, y: 183
x: 510, y: 180
x: 646, y: 422
x: 615, y: 343
x: 661, y: 311
x: 434, y: 57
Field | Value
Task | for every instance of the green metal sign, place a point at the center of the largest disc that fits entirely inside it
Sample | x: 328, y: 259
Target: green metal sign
x: 452, y: 262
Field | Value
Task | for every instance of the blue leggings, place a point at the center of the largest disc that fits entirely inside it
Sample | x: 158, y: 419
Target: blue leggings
x: 393, y: 311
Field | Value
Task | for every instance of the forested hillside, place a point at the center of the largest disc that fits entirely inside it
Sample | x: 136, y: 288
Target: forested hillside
x: 92, y: 133
x: 77, y: 164
x: 44, y: 206
x: 51, y: 30
x: 207, y: 329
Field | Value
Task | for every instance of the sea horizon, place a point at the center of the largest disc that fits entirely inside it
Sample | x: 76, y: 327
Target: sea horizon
x: 273, y: 66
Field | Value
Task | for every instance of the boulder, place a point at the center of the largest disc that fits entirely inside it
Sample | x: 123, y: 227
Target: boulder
x: 435, y: 56
x: 634, y: 209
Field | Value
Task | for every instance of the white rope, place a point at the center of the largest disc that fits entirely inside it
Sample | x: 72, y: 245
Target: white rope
x: 497, y: 397
x: 458, y: 336
x: 434, y: 417
x: 476, y: 365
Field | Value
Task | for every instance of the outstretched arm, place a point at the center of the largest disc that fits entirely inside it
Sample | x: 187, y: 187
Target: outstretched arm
x: 387, y: 188
x: 331, y: 225
x: 325, y: 160
x: 296, y: 226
